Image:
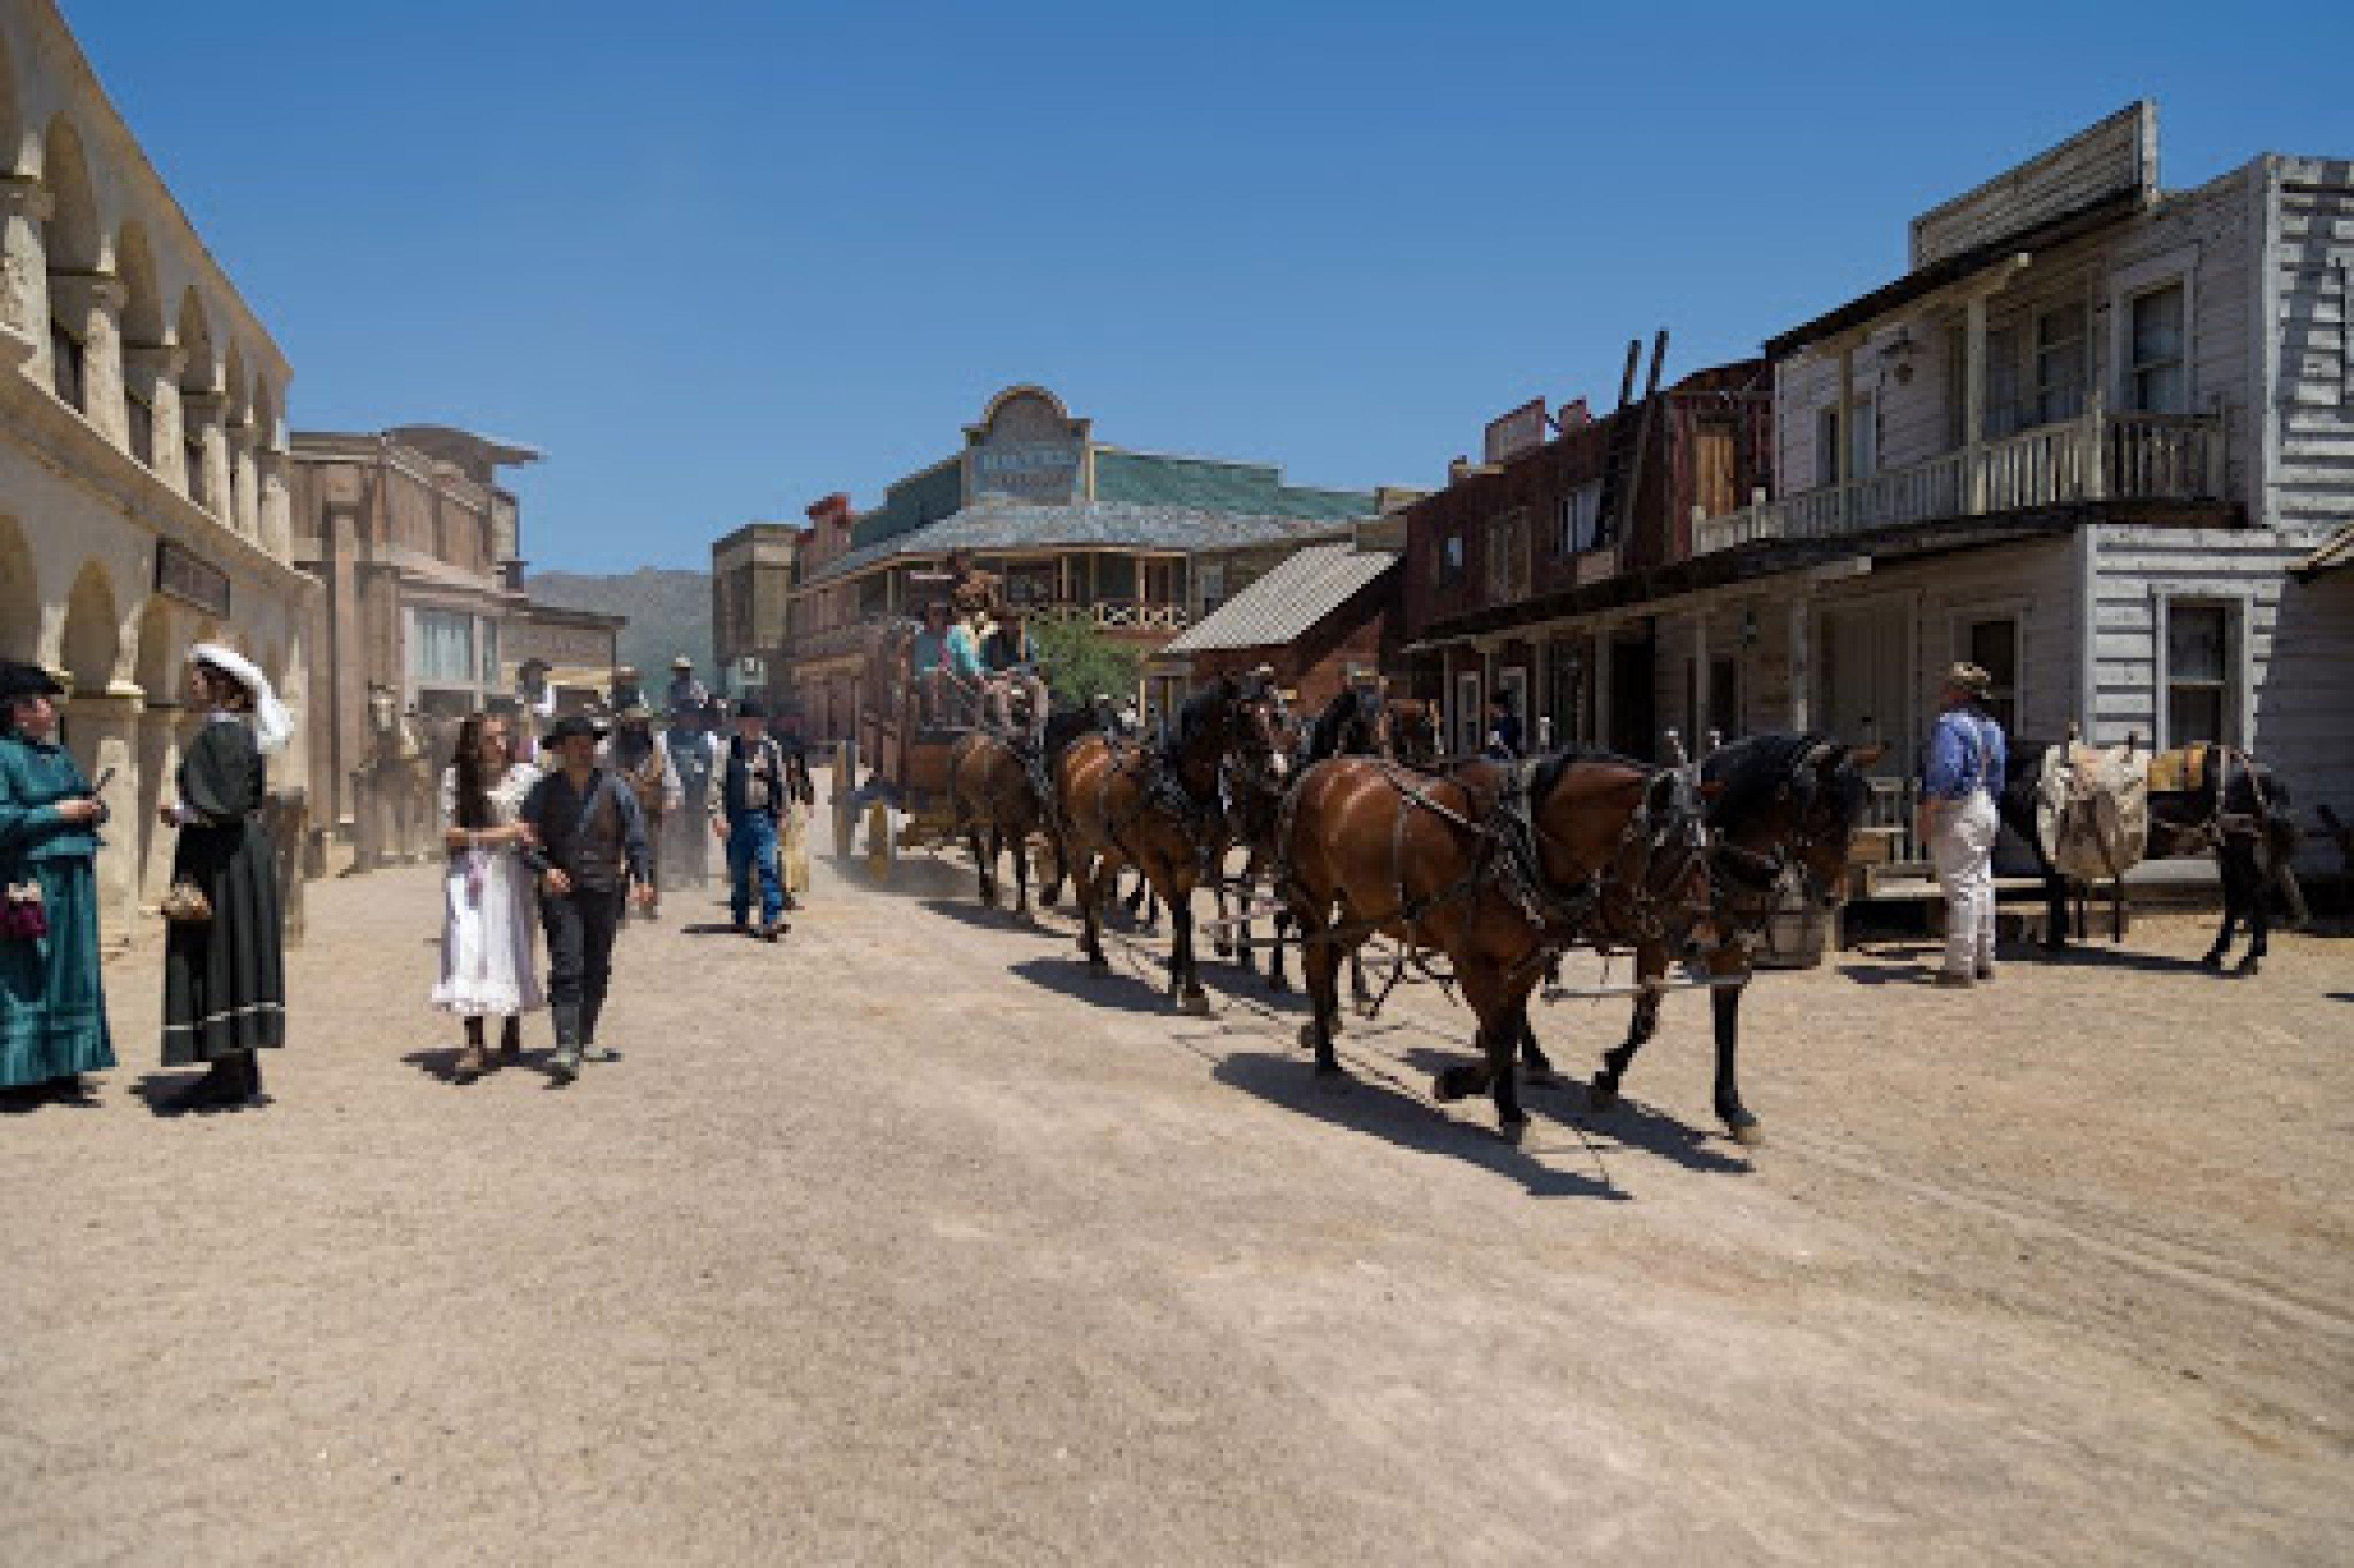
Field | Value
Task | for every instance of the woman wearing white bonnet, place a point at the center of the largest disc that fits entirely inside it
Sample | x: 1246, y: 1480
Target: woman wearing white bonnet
x: 224, y: 973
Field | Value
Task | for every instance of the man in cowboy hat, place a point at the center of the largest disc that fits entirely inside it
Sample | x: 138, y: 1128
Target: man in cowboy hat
x: 685, y: 691
x: 752, y: 800
x: 1959, y: 784
x: 589, y: 850
x: 1009, y: 658
x: 643, y: 759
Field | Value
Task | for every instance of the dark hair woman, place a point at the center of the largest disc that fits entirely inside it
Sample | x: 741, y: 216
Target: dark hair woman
x: 487, y: 899
x: 224, y: 962
x: 52, y: 1011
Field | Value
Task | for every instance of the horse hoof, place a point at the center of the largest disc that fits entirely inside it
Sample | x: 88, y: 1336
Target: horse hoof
x: 1195, y: 1002
x: 1540, y: 1079
x: 2251, y: 966
x: 1513, y: 1131
x: 1748, y: 1134
x: 2212, y: 961
x: 1446, y: 1088
x: 1600, y: 1095
x: 1097, y: 963
x: 1329, y: 1071
x: 1276, y: 985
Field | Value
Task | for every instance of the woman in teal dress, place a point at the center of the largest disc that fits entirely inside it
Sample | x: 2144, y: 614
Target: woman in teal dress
x: 52, y: 1011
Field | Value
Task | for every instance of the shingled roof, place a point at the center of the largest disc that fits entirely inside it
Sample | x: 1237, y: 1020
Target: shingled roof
x: 1282, y: 605
x: 995, y: 525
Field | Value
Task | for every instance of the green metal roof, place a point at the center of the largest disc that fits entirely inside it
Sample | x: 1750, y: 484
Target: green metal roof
x: 912, y: 502
x: 1214, y: 484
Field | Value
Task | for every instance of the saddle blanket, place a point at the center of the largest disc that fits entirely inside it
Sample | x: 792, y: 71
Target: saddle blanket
x: 2181, y: 770
x: 2091, y: 810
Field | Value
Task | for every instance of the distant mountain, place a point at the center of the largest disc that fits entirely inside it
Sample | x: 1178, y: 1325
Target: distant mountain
x: 669, y: 612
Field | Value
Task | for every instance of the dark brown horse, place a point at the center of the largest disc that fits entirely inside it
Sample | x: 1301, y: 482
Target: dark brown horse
x: 1496, y: 865
x: 2236, y: 808
x: 1159, y: 807
x: 990, y: 787
x: 1781, y: 808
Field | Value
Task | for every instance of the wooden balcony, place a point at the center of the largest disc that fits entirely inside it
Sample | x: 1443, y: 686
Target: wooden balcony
x: 2100, y: 457
x: 1116, y: 615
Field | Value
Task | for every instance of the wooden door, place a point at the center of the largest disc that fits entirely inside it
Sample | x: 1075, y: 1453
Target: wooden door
x: 1865, y: 678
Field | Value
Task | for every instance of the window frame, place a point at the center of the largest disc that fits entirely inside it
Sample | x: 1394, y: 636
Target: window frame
x: 2235, y: 683
x: 2043, y: 351
x: 2178, y: 267
x: 1566, y: 520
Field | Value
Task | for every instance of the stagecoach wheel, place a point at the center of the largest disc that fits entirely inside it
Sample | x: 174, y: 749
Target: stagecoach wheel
x: 881, y: 848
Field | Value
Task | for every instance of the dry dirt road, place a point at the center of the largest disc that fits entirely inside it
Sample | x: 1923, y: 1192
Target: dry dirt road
x: 908, y: 1241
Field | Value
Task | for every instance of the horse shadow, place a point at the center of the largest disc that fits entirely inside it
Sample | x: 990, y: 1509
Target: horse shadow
x: 156, y: 1091
x: 1911, y: 973
x: 1366, y: 1104
x: 919, y: 876
x: 1074, y: 977
x: 710, y: 928
x: 2108, y: 957
x: 988, y: 918
x: 1628, y: 1123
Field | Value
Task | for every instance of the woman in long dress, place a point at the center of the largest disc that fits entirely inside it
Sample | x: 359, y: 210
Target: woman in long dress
x: 488, y: 910
x: 52, y: 1010
x: 224, y: 975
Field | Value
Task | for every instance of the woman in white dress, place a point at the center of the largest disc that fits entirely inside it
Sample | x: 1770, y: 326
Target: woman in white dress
x: 489, y: 913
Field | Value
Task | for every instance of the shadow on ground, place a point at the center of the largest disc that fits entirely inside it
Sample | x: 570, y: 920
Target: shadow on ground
x: 1367, y: 1105
x: 1629, y: 1123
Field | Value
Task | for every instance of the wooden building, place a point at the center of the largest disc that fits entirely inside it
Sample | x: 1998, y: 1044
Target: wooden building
x: 1323, y: 610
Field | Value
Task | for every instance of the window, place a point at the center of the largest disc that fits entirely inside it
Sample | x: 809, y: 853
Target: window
x: 1507, y: 557
x: 490, y: 653
x: 2005, y: 414
x: 442, y: 651
x: 1030, y: 582
x: 2061, y: 363
x: 1992, y: 644
x: 1450, y: 558
x: 1581, y: 518
x: 1212, y: 576
x: 2198, y: 673
x: 2157, y: 379
x: 1860, y: 446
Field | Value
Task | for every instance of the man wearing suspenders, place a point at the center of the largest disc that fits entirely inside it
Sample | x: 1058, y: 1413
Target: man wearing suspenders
x: 1959, y: 784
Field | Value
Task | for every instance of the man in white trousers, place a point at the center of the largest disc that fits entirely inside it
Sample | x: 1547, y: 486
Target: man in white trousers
x: 1959, y: 783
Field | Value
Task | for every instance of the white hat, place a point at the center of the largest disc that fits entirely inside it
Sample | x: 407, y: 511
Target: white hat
x: 272, y: 725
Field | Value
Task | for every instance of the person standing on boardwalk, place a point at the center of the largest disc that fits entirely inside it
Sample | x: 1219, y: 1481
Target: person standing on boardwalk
x: 589, y: 852
x: 53, y: 1025
x: 752, y: 797
x: 643, y: 759
x: 1960, y: 782
x: 224, y: 964
x: 487, y: 962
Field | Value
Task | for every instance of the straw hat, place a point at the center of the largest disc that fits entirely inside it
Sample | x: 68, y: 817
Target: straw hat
x: 1966, y: 676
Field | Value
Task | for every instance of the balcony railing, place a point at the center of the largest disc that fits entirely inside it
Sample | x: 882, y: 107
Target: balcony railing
x: 2135, y: 456
x: 1107, y: 615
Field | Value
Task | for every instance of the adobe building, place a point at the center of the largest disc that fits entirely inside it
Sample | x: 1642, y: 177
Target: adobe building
x: 143, y: 501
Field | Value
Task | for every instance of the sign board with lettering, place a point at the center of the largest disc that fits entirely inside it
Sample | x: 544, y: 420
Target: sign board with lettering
x: 190, y: 579
x: 1026, y: 448
x: 2114, y: 159
x: 1522, y: 431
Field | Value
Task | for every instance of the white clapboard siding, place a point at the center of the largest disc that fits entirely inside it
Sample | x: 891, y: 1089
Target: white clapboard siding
x: 2313, y: 395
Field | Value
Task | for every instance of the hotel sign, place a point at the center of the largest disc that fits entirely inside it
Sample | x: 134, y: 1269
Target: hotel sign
x: 190, y: 579
x: 1028, y: 448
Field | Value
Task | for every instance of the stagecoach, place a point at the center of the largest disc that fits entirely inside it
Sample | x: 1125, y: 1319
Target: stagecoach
x: 891, y: 777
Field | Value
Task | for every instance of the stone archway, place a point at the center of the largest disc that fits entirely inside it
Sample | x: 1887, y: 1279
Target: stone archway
x: 20, y: 596
x: 91, y: 646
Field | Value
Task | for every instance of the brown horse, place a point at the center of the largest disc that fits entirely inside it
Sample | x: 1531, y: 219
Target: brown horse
x: 1161, y: 808
x: 990, y: 788
x: 1497, y: 866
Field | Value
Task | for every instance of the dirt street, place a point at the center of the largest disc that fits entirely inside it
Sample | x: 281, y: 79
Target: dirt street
x: 908, y: 1241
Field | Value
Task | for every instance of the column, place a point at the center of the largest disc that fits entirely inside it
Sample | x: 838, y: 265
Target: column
x: 104, y: 730
x: 24, y: 204
x: 155, y: 370
x: 1801, y: 673
x: 243, y: 511
x: 1699, y: 731
x: 1974, y: 366
x: 202, y: 413
x: 277, y: 515
x: 1846, y: 425
x: 1602, y: 651
x: 92, y: 303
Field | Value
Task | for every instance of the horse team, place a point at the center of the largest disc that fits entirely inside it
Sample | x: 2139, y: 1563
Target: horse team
x: 1359, y: 828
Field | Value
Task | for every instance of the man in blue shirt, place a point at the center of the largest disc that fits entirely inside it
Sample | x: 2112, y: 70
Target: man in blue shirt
x: 1967, y: 756
x: 752, y: 799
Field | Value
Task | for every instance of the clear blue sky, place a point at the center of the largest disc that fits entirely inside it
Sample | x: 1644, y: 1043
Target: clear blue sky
x: 719, y: 258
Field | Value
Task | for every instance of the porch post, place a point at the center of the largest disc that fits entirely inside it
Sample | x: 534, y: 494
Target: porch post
x: 1602, y: 686
x: 1845, y: 423
x: 2095, y: 477
x: 1801, y: 672
x: 1974, y: 366
x: 1699, y: 742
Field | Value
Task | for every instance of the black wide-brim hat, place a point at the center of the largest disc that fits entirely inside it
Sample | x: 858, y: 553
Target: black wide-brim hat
x: 751, y: 708
x: 572, y: 725
x: 18, y: 679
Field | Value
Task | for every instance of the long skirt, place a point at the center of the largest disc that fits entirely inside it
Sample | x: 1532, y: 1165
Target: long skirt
x: 52, y: 1008
x: 489, y: 912
x: 225, y: 978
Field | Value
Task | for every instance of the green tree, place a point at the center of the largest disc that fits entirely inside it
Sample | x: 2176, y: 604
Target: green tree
x: 1078, y: 661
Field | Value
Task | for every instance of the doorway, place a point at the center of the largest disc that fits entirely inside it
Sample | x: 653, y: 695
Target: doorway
x: 1865, y: 681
